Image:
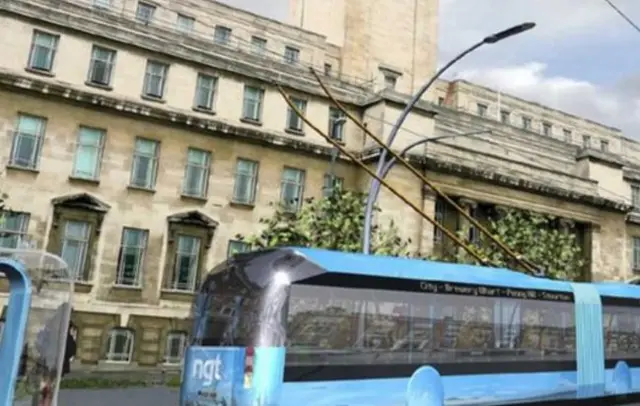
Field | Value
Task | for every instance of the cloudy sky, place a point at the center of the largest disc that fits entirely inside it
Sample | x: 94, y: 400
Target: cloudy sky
x: 582, y: 57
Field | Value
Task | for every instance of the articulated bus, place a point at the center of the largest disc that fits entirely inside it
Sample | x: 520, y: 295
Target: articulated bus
x: 298, y: 326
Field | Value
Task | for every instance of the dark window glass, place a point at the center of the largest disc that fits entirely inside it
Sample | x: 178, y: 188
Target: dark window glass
x: 351, y: 326
x: 621, y: 332
x: 236, y: 315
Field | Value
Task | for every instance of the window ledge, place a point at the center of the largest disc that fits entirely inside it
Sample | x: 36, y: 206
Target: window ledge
x: 293, y: 131
x: 341, y: 142
x: 251, y: 121
x: 84, y: 180
x: 98, y: 85
x: 203, y: 110
x: 46, y: 73
x: 126, y: 287
x: 177, y: 295
x: 22, y: 168
x: 242, y: 205
x: 199, y: 199
x: 141, y: 189
x: 82, y: 287
x: 152, y: 98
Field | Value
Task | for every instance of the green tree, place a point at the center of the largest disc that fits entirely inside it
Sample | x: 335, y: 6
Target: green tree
x: 334, y: 222
x: 544, y: 240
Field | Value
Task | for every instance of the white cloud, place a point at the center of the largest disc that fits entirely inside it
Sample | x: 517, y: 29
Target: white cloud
x: 524, y: 65
x: 576, y: 38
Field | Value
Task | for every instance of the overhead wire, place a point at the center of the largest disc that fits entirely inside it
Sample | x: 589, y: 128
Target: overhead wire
x: 469, y: 249
x: 517, y: 257
x: 623, y: 15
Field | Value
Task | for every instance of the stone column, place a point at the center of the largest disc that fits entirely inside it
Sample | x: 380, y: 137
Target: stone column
x: 464, y: 225
x: 427, y: 235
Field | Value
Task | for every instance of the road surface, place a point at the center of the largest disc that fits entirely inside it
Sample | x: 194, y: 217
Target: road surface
x: 119, y: 397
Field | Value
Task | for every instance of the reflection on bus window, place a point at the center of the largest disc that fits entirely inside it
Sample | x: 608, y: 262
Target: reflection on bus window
x: 348, y: 326
x: 621, y: 332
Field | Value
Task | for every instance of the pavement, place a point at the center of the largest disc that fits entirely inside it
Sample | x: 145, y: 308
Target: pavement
x: 119, y: 397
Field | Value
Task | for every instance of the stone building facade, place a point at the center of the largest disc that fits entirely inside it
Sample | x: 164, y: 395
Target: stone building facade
x: 139, y: 138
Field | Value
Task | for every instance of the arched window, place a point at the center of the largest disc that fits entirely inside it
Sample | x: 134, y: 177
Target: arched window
x: 119, y: 345
x: 174, y: 350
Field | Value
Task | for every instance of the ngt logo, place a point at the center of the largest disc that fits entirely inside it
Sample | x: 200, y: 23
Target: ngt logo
x: 207, y: 371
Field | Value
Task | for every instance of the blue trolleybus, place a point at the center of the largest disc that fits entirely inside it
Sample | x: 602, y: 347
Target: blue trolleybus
x: 309, y: 327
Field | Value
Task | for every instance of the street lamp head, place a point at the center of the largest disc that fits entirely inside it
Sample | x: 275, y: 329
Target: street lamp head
x: 509, y: 32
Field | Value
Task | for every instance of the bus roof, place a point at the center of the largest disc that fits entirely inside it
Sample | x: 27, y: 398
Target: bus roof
x: 406, y: 268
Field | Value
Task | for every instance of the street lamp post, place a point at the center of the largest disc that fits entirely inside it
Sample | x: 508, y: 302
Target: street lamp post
x: 374, y: 189
x: 387, y: 167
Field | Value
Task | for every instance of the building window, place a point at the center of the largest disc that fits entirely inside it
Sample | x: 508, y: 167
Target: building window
x: 145, y: 163
x: 237, y: 247
x: 43, y: 51
x: 187, y: 262
x: 13, y: 229
x: 337, y: 121
x: 568, y: 136
x: 185, y: 24
x: 439, y: 218
x: 636, y: 255
x: 390, y: 81
x: 246, y: 180
x: 331, y: 183
x: 27, y: 141
x: 604, y: 145
x: 258, y: 45
x: 252, y: 103
x: 291, y: 55
x: 586, y: 141
x: 75, y: 248
x: 205, y: 91
x: 294, y: 121
x: 145, y: 12
x: 292, y: 189
x: 481, y: 109
x: 119, y: 345
x: 88, y: 156
x: 526, y: 123
x: 221, y: 35
x: 328, y: 69
x: 155, y: 79
x: 505, y: 117
x: 104, y: 4
x: 635, y: 196
x: 196, y: 174
x: 176, y: 344
x: 101, y: 66
x: 131, y: 259
x: 546, y: 129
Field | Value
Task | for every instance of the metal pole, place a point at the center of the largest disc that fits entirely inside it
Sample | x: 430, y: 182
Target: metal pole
x: 387, y: 167
x: 374, y: 189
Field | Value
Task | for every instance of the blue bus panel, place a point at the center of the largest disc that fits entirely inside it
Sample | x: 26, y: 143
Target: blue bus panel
x: 315, y: 327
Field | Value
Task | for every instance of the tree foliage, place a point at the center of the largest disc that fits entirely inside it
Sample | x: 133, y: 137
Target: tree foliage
x: 546, y: 241
x: 334, y: 222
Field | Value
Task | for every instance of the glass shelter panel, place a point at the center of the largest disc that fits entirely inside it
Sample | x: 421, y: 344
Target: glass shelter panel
x: 47, y: 341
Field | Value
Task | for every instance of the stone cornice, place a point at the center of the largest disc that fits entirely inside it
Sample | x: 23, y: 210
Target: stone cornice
x: 631, y: 174
x: 66, y: 16
x: 113, y: 105
x: 600, y: 157
x: 399, y: 100
x: 506, y: 180
x: 633, y: 218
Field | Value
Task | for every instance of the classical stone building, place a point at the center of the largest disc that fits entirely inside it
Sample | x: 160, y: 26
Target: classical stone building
x: 139, y: 138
